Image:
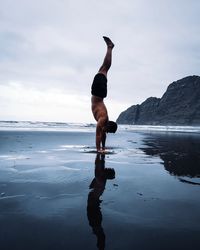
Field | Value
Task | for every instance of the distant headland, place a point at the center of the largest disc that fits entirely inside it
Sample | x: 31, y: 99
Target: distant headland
x: 180, y: 105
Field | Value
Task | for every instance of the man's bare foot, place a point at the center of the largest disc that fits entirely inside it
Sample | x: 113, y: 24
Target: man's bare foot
x: 109, y: 43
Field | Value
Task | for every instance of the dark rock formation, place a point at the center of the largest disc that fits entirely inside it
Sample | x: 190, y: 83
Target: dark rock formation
x: 180, y: 105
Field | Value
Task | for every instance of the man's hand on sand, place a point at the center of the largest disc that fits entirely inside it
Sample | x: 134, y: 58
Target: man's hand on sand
x: 101, y: 151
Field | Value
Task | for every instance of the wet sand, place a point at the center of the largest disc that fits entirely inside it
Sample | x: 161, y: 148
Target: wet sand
x: 56, y: 193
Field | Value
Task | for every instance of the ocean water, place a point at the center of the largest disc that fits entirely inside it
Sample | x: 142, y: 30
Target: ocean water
x: 62, y: 126
x: 45, y: 126
x: 57, y: 193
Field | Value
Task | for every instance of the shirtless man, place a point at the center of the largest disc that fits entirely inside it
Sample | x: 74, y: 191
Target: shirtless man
x: 99, y: 92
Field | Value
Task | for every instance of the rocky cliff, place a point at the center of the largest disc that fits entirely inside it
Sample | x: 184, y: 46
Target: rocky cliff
x: 180, y: 105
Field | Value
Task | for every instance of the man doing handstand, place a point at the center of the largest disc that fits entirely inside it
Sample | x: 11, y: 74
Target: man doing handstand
x: 99, y: 92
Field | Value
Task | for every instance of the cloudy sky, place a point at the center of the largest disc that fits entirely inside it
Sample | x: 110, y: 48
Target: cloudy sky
x: 50, y: 51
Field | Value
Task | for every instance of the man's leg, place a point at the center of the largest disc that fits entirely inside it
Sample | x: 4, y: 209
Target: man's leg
x: 108, y: 58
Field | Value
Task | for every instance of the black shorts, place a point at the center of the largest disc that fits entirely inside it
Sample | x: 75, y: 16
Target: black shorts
x: 99, y: 85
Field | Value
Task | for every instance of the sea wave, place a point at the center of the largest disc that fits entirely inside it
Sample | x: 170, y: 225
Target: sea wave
x: 46, y: 126
x: 183, y: 129
x: 89, y: 127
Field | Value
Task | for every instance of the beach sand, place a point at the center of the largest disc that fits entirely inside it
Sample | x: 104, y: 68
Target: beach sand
x: 56, y: 193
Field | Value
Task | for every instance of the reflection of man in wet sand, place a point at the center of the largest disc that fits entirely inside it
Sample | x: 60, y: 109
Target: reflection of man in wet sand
x: 93, y: 205
x: 99, y: 92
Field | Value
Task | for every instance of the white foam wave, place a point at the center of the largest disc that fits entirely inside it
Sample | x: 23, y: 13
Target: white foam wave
x: 187, y: 129
x: 46, y: 126
x: 72, y: 146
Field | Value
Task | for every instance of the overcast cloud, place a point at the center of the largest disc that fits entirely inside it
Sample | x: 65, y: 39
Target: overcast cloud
x: 51, y: 49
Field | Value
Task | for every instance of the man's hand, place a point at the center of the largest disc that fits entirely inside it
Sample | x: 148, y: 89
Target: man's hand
x: 101, y: 151
x: 100, y: 134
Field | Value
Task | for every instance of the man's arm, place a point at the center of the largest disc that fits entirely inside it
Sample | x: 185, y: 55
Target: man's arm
x: 100, y: 134
x: 103, y: 140
x: 98, y: 138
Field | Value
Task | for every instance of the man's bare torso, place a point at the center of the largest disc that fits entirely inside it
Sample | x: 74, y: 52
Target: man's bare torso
x: 98, y: 108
